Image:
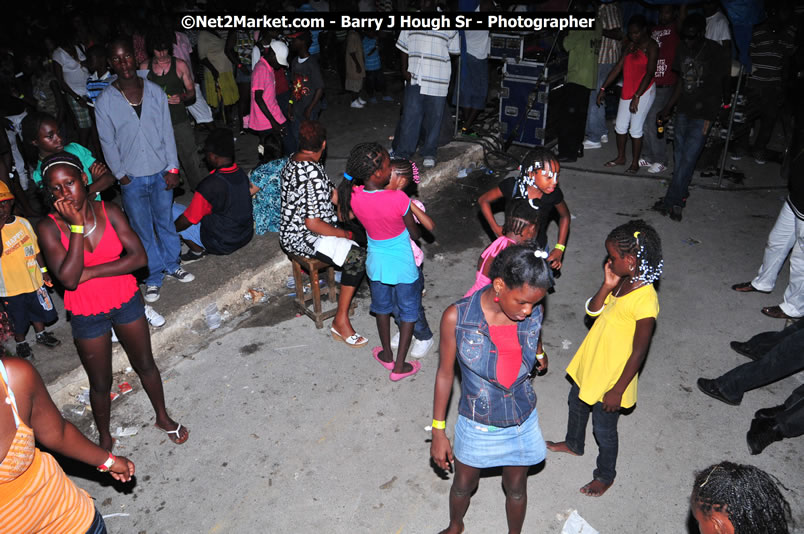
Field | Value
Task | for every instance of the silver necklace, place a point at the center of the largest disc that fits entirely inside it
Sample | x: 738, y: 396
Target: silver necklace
x: 619, y: 289
x: 94, y: 222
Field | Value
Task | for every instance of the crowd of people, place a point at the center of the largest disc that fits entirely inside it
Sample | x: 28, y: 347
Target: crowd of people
x: 135, y: 102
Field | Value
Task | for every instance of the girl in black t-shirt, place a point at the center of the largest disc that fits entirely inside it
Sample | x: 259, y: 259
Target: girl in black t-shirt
x: 538, y: 184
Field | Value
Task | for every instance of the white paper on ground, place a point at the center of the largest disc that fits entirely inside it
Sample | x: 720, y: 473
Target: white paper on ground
x: 575, y: 524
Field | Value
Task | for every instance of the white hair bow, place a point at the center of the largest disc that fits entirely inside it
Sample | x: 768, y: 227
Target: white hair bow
x: 540, y: 254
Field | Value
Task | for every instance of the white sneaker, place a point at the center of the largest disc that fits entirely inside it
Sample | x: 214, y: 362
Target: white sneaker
x: 604, y: 138
x: 395, y: 341
x: 420, y: 348
x: 591, y: 145
x: 153, y: 316
x: 429, y: 163
x: 656, y: 168
x: 644, y: 163
x: 361, y: 101
x: 151, y: 293
x: 356, y: 104
x: 114, y: 337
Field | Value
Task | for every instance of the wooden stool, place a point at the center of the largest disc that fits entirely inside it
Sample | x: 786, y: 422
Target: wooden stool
x: 313, y: 266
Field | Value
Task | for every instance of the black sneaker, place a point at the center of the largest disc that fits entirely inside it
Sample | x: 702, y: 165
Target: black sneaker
x: 763, y: 432
x: 675, y: 213
x: 769, y: 413
x: 711, y: 388
x: 24, y: 351
x: 661, y: 207
x: 745, y: 349
x: 190, y: 256
x: 47, y: 339
x: 182, y: 276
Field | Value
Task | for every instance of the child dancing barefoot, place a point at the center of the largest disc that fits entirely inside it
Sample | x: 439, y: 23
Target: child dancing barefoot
x: 538, y: 185
x: 521, y: 224
x: 392, y: 271
x: 494, y: 336
x: 604, y: 370
x: 403, y: 173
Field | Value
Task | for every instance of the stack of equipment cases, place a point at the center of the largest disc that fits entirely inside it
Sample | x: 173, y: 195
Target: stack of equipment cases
x: 506, y: 45
x: 524, y: 98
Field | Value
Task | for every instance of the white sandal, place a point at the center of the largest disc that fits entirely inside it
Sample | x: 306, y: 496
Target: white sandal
x: 353, y: 341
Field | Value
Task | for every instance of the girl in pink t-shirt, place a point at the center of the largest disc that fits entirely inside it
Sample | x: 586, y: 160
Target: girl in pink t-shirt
x: 390, y: 265
x: 265, y: 118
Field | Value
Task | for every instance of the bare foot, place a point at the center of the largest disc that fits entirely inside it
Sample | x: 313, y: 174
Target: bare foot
x: 452, y: 530
x: 596, y: 488
x: 561, y: 446
x: 614, y: 162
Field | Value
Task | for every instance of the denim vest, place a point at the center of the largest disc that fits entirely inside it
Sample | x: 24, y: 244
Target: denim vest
x: 483, y: 398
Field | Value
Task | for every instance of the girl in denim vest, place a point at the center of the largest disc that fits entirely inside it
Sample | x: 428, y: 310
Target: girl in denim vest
x: 604, y: 370
x: 495, y: 337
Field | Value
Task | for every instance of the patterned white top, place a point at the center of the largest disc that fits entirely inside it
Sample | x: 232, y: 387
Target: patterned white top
x: 306, y: 194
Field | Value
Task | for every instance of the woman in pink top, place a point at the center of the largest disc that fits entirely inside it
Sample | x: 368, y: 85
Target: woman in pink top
x: 391, y: 268
x: 265, y: 118
x: 638, y: 66
x: 520, y: 226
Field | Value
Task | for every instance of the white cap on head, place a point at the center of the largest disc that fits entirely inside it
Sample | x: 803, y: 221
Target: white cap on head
x: 281, y: 51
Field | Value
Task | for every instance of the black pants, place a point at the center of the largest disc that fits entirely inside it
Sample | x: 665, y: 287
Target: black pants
x: 570, y: 102
x: 785, y: 358
x: 769, y: 97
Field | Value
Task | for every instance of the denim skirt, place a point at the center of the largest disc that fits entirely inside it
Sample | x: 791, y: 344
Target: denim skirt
x: 481, y: 446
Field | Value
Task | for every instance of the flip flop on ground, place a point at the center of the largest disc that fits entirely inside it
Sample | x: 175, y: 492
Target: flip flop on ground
x: 175, y: 435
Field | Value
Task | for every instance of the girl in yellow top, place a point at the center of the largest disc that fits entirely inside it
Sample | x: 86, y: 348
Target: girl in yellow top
x: 604, y: 370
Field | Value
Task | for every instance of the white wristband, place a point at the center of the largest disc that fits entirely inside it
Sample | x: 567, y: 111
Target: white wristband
x: 590, y: 312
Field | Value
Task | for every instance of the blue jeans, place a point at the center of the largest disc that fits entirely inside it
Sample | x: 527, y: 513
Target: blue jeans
x: 690, y: 139
x: 420, y: 112
x: 192, y: 232
x: 421, y: 330
x: 604, y: 427
x: 149, y: 209
x: 784, y: 359
x: 596, y: 116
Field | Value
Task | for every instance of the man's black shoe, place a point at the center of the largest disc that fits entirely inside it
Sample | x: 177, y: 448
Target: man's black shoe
x: 763, y: 432
x: 660, y: 207
x: 744, y: 349
x: 580, y: 151
x: 711, y: 388
x: 769, y: 413
x: 567, y: 159
x: 675, y: 213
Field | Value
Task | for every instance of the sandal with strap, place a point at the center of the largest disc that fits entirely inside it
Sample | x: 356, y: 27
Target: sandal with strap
x: 177, y: 432
x: 354, y: 341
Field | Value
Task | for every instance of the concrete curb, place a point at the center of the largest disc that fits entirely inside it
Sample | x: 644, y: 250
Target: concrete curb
x: 229, y: 296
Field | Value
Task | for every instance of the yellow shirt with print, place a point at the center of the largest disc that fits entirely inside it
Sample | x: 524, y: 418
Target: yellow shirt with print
x: 19, y: 272
x: 602, y: 356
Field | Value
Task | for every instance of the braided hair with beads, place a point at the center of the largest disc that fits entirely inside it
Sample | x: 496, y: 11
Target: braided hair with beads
x: 364, y: 160
x: 747, y: 495
x: 543, y: 161
x: 518, y: 216
x: 640, y: 239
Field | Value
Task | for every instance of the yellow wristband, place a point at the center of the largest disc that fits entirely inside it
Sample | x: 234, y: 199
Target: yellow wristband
x: 560, y: 247
x: 43, y: 270
x: 440, y: 425
x: 77, y: 228
x: 540, y: 356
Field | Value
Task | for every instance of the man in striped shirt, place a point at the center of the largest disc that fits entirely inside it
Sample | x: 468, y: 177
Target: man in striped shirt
x: 426, y: 68
x: 772, y: 47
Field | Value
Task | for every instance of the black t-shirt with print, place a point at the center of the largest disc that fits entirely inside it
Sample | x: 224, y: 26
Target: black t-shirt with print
x: 544, y: 206
x: 305, y: 80
x: 701, y: 74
